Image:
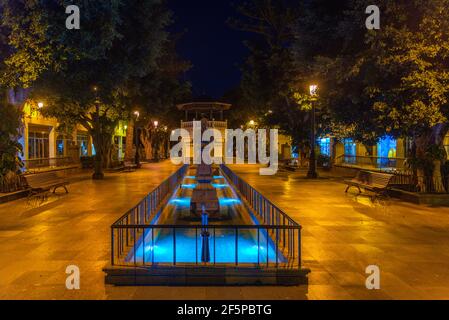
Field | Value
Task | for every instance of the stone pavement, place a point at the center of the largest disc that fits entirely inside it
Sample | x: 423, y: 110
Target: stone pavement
x: 341, y: 236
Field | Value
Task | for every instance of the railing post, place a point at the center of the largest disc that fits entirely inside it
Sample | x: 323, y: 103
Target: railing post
x: 283, y: 231
x: 152, y: 246
x: 268, y: 245
x: 112, y: 245
x: 299, y: 248
x: 236, y: 246
x: 134, y: 245
x: 277, y: 245
x: 258, y: 247
x: 174, y: 246
x: 196, y: 245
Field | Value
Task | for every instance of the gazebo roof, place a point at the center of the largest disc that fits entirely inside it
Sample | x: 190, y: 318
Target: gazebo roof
x: 204, y: 106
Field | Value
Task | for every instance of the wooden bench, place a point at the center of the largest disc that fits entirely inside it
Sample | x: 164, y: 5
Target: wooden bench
x: 43, y: 183
x: 129, y: 166
x: 375, y: 182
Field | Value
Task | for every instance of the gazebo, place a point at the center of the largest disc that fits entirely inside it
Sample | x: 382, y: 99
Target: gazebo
x: 208, y: 109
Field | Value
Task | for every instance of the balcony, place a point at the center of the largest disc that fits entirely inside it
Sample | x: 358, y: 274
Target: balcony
x: 220, y: 125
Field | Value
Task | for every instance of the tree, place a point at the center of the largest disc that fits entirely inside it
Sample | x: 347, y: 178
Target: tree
x: 408, y: 93
x: 88, y: 75
x: 393, y: 81
x: 273, y: 78
x: 10, y: 148
x: 156, y: 97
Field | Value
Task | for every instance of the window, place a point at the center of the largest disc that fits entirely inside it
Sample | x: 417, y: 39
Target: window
x: 60, y: 146
x: 350, y: 151
x: 386, y: 148
x: 386, y: 152
x: 325, y: 146
x: 38, y: 144
x: 83, y: 143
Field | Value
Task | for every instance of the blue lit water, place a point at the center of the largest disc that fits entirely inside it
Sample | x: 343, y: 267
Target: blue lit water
x: 223, y: 250
x: 224, y: 246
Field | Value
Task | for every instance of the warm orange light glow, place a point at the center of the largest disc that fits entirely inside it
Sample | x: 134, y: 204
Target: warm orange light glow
x: 313, y: 89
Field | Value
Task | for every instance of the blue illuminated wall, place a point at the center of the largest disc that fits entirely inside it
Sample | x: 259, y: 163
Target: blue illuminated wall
x: 325, y: 146
x: 350, y: 151
x: 350, y: 147
x: 387, y: 147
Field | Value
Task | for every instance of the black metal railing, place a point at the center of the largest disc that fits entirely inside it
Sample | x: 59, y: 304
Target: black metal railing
x: 274, y: 241
x: 265, y: 210
x: 410, y: 181
x: 124, y: 232
x: 368, y: 162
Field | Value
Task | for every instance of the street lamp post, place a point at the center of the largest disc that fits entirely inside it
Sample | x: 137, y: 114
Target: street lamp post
x: 312, y: 173
x: 98, y: 160
x: 156, y: 141
x: 136, y: 139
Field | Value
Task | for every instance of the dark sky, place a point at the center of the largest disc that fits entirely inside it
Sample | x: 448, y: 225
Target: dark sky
x: 215, y: 50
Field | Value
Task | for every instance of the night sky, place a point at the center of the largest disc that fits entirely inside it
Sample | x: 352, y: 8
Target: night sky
x: 215, y: 50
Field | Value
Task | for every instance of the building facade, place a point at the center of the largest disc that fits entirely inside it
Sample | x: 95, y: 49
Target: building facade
x: 45, y: 144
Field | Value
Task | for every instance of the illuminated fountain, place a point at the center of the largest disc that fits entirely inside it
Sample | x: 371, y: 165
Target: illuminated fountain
x: 205, y: 225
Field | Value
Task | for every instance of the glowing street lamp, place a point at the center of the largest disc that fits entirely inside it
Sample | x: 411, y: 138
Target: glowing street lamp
x: 40, y: 105
x: 137, y: 114
x: 312, y: 173
x: 251, y: 122
x: 156, y: 123
x: 313, y: 90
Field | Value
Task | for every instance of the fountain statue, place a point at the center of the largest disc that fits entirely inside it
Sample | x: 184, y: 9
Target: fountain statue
x: 204, y: 195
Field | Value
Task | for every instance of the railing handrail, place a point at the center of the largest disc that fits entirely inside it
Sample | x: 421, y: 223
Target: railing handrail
x: 369, y: 157
x: 177, y: 172
x: 261, y: 194
x: 48, y: 158
x: 275, y: 228
x: 199, y: 226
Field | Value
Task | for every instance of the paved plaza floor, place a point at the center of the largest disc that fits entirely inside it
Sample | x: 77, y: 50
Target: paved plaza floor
x: 342, y: 235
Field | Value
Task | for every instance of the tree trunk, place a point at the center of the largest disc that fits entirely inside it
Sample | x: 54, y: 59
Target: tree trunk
x: 422, y: 143
x: 421, y: 180
x: 98, y: 163
x: 434, y: 137
x: 439, y: 132
x: 129, y: 150
x: 437, y: 178
x: 146, y: 138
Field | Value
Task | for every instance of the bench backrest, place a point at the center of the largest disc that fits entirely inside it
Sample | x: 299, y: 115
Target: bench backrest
x: 363, y: 176
x: 39, y: 179
x: 370, y: 178
x: 382, y: 179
